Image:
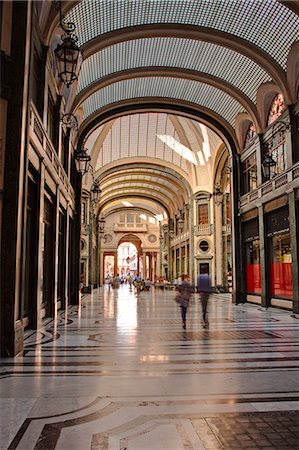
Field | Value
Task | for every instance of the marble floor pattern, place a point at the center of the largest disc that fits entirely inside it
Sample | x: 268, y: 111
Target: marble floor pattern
x: 120, y: 373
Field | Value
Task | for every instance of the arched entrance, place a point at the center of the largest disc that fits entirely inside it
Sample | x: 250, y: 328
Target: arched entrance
x: 129, y: 255
x: 127, y: 259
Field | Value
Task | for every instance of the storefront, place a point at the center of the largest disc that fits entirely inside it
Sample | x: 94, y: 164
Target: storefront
x: 251, y: 243
x: 279, y: 251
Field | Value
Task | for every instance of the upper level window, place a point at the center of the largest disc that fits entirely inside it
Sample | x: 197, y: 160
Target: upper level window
x: 51, y: 118
x: 36, y: 82
x: 250, y: 135
x: 203, y: 214
x: 276, y: 109
x: 249, y: 174
x: 278, y: 151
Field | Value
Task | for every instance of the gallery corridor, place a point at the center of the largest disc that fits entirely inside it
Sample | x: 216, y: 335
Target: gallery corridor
x: 119, y: 372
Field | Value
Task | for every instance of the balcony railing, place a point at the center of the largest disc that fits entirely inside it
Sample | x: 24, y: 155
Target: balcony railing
x: 45, y: 148
x: 203, y: 229
x: 137, y: 228
x: 271, y: 186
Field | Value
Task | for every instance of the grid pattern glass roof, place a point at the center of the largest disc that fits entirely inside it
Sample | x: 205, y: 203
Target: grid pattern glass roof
x: 174, y: 88
x: 184, y: 53
x: 136, y: 136
x: 265, y: 23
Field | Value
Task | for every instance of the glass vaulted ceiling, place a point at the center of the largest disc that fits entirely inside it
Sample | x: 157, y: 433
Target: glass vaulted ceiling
x: 192, y: 91
x: 204, y: 57
x: 261, y: 22
x: 145, y: 135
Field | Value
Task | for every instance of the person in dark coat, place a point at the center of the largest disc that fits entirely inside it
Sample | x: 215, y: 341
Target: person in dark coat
x: 185, y: 290
x: 204, y: 289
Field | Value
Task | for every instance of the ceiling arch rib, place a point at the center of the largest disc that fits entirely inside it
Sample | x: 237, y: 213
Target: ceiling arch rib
x: 103, y: 204
x: 192, y: 75
x: 155, y: 183
x: 120, y: 168
x: 147, y: 136
x: 247, y: 49
x: 149, y: 178
x: 211, y: 59
x: 262, y: 23
x: 143, y: 105
x: 195, y: 92
x: 167, y: 202
x: 159, y: 183
x: 132, y: 204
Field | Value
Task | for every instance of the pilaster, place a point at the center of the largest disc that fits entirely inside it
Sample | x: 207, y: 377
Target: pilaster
x: 265, y: 296
x: 293, y: 221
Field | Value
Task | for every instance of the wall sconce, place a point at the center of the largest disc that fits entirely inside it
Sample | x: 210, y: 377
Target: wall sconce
x: 68, y: 54
x: 82, y: 160
x: 268, y: 166
x: 102, y: 222
x: 218, y: 195
x: 69, y: 120
x: 95, y: 191
x: 180, y: 224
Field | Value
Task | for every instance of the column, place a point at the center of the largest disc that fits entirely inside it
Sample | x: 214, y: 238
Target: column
x: 186, y: 259
x: 193, y: 271
x: 144, y: 265
x: 153, y: 261
x: 40, y: 244
x: 159, y: 265
x: 224, y: 243
x: 67, y: 245
x: 218, y: 245
x: 56, y: 250
x: 265, y: 295
x: 294, y: 248
x: 238, y: 293
x: 90, y: 245
x: 14, y: 209
x: 115, y: 263
x: 101, y: 265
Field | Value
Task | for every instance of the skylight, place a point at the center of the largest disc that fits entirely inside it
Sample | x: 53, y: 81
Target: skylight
x: 179, y: 148
x: 126, y: 203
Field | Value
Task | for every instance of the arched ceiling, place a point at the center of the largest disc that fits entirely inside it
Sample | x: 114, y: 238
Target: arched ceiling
x: 143, y: 182
x: 152, y: 157
x: 214, y: 54
x: 207, y: 56
x: 143, y: 205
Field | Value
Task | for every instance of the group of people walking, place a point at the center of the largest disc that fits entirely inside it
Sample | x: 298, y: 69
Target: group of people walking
x: 185, y: 289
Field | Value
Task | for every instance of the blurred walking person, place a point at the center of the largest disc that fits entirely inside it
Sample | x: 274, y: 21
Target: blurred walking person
x: 204, y: 289
x: 183, y: 297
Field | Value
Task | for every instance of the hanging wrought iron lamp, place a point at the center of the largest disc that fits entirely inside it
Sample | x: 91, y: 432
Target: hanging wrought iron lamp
x: 269, y: 167
x: 82, y: 161
x: 68, y: 54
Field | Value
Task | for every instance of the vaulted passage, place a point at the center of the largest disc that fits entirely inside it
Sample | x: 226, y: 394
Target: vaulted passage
x: 148, y: 145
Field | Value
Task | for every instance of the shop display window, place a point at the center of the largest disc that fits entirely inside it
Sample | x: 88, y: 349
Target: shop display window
x: 253, y: 267
x: 280, y: 266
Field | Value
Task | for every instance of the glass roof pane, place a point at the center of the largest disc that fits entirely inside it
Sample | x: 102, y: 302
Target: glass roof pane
x: 185, y: 53
x: 191, y: 91
x: 265, y: 23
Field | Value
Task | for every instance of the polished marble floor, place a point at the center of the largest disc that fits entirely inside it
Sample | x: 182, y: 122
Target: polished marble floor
x: 120, y: 373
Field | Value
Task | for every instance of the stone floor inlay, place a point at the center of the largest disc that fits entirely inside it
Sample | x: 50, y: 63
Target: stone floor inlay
x: 119, y: 373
